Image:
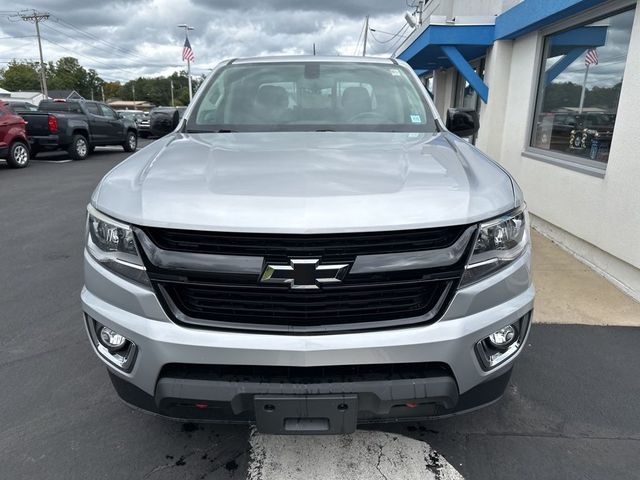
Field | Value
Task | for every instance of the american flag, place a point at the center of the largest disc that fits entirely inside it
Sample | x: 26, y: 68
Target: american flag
x: 187, y: 52
x: 591, y: 58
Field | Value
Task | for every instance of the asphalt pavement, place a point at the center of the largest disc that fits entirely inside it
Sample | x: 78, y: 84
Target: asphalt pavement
x: 570, y: 412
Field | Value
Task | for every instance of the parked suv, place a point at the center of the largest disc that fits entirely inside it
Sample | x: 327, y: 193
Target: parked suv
x: 311, y: 248
x: 14, y: 146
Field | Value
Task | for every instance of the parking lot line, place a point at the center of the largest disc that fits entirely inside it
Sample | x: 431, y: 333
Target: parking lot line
x: 364, y: 455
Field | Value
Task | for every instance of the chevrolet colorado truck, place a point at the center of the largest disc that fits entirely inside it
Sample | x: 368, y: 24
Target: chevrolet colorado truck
x: 78, y: 127
x: 310, y: 249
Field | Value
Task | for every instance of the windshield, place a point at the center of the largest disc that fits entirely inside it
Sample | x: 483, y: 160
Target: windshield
x: 311, y: 96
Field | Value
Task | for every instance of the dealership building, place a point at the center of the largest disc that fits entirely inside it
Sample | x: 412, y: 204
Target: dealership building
x: 556, y: 85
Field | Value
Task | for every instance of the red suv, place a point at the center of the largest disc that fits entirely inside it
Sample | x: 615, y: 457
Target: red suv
x: 14, y: 146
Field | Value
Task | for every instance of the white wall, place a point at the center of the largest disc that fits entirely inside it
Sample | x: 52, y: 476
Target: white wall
x: 454, y: 8
x: 603, y: 212
x: 444, y: 84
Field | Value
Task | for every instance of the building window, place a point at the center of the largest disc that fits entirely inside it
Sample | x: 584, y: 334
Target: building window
x: 579, y: 89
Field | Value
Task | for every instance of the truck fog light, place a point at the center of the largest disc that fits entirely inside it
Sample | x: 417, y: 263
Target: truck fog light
x: 111, y: 339
x: 503, y: 337
x: 112, y: 346
x: 502, y: 344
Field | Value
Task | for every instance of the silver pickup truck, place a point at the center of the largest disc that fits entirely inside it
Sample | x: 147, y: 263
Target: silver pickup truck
x: 311, y: 248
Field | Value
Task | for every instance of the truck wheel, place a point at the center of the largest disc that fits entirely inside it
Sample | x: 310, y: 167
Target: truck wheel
x: 131, y: 143
x: 79, y: 148
x: 18, y: 155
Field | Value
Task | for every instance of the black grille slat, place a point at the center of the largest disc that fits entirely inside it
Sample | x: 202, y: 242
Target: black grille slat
x: 330, y: 306
x: 330, y: 247
x: 306, y: 375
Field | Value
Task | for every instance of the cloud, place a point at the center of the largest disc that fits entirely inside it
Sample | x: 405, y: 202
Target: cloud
x: 124, y: 39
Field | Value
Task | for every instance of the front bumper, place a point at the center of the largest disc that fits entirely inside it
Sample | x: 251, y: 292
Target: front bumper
x: 462, y: 384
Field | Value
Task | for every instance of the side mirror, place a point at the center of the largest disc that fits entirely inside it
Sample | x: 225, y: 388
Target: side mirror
x: 464, y: 122
x: 175, y: 120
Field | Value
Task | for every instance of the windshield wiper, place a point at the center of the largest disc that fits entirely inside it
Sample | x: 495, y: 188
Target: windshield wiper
x: 324, y: 130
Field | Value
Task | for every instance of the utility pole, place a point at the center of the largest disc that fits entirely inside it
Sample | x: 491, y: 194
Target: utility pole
x: 366, y: 33
x: 133, y: 87
x: 173, y: 103
x: 314, y: 49
x: 186, y: 33
x: 102, y: 90
x: 37, y: 17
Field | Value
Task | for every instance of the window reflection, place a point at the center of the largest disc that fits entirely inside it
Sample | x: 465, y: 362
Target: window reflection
x: 580, y: 87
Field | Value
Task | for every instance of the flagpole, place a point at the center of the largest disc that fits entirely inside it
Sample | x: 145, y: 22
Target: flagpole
x: 186, y: 34
x: 584, y: 87
x: 189, y: 77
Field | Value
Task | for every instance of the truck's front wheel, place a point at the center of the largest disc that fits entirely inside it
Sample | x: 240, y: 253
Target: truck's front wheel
x: 79, y: 148
x: 18, y: 155
x: 131, y: 143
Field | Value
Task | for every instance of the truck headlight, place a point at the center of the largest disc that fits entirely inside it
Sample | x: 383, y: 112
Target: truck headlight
x: 112, y: 244
x: 499, y: 243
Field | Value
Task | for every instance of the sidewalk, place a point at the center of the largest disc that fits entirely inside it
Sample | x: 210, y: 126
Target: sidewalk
x: 569, y: 292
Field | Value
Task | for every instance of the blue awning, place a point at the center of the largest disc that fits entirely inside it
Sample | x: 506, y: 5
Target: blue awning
x: 425, y: 52
x: 444, y: 46
x: 530, y: 15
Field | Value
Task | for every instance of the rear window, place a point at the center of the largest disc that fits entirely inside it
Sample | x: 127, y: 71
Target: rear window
x: 311, y: 96
x: 72, y: 107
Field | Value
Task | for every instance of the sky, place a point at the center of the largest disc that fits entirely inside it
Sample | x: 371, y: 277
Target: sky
x: 125, y: 39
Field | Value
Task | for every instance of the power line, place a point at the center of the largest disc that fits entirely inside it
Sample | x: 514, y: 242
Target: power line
x: 393, y: 35
x: 103, y: 49
x: 90, y: 58
x: 96, y: 38
x: 400, y: 40
x: 18, y: 36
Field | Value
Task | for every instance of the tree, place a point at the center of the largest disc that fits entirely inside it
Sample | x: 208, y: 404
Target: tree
x: 20, y: 75
x: 112, y: 90
x: 68, y: 74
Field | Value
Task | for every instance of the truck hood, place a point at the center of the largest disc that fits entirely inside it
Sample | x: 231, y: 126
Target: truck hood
x: 293, y: 182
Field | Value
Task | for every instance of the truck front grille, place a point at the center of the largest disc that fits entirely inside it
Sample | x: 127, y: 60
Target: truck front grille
x: 239, y: 301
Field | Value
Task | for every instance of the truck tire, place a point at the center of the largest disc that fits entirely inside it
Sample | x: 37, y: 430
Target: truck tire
x: 131, y: 142
x: 18, y: 155
x: 79, y: 148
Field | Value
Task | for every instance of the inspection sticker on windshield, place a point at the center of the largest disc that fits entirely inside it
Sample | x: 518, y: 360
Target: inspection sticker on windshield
x: 416, y: 119
x: 395, y: 72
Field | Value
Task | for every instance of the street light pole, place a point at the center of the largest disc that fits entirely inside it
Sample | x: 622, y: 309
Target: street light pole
x: 186, y: 33
x: 366, y: 32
